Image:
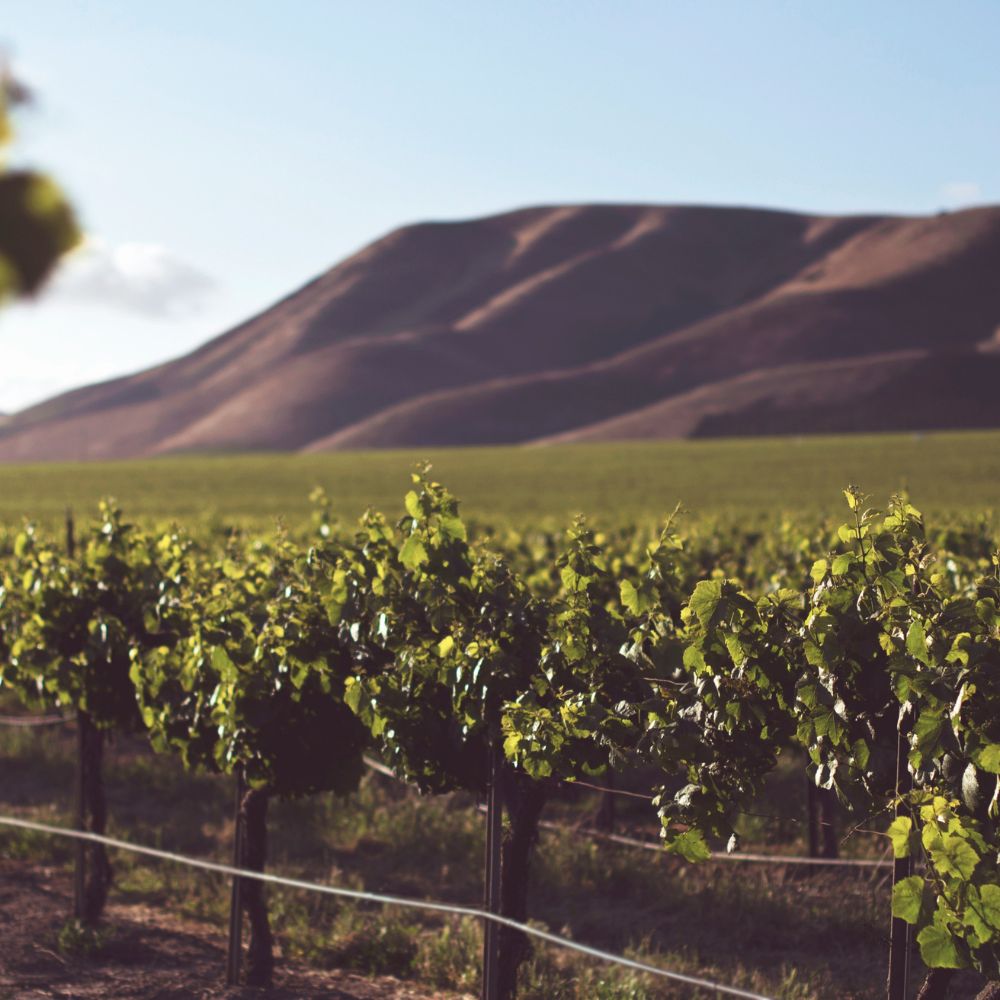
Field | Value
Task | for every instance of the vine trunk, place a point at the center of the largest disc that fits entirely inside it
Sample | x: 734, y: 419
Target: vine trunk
x: 524, y: 799
x: 95, y: 820
x: 260, y: 958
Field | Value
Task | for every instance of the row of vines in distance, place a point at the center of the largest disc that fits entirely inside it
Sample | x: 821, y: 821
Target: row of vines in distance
x: 284, y: 659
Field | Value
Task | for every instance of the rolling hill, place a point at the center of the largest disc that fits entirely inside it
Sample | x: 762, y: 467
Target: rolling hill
x: 580, y: 323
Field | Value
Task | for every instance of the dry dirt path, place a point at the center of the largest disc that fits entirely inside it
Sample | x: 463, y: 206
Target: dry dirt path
x: 153, y: 955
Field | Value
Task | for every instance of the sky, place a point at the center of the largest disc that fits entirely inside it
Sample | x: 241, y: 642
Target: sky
x: 221, y: 153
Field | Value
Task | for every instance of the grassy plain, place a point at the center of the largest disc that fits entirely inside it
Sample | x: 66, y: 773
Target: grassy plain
x: 742, y: 478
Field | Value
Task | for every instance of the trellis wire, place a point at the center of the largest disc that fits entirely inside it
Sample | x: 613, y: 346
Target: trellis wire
x: 381, y: 768
x: 33, y: 721
x: 777, y: 859
x: 648, y: 845
x: 652, y: 845
x: 376, y: 897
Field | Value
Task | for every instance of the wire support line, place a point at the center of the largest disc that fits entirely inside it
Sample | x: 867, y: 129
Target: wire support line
x: 607, y: 791
x: 387, y: 900
x: 647, y: 797
x: 376, y: 765
x: 570, y: 782
x: 652, y: 845
x: 33, y: 721
x: 774, y: 859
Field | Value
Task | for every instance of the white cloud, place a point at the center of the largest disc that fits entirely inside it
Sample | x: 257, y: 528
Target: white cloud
x: 960, y: 194
x: 142, y: 278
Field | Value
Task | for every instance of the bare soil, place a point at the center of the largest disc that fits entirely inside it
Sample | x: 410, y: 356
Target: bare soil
x: 149, y: 954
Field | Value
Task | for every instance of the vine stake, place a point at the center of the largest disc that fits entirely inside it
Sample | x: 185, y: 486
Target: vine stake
x: 899, y: 929
x: 812, y: 807
x: 236, y: 900
x: 494, y: 832
x: 79, y: 848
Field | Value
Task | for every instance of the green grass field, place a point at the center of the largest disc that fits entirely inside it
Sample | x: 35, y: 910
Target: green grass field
x: 944, y: 472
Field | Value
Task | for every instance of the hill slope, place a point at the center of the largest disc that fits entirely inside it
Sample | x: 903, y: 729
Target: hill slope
x: 581, y: 323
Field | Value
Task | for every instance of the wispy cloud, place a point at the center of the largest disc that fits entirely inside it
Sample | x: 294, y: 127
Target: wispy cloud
x: 959, y: 194
x: 142, y: 278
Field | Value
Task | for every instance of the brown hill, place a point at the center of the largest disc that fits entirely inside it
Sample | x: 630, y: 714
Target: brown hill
x: 581, y: 323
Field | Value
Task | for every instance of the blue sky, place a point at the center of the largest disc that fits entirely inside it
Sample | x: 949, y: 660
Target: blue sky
x: 222, y: 152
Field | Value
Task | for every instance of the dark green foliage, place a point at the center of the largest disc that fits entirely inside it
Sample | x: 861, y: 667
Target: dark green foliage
x: 445, y: 635
x: 705, y: 656
x: 898, y: 639
x: 73, y: 625
x: 37, y: 225
x: 256, y: 677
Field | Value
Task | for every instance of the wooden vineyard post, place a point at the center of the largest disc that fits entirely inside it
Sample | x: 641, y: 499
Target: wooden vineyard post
x: 605, y: 817
x: 236, y: 899
x: 80, y: 820
x: 494, y: 833
x: 827, y: 823
x: 821, y: 821
x: 79, y: 806
x: 812, y: 808
x: 899, y: 929
x: 70, y: 534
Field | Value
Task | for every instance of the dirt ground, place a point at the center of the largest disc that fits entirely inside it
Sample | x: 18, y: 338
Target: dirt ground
x: 151, y: 954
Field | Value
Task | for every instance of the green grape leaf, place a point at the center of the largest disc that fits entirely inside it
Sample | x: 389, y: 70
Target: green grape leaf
x: 694, y: 660
x: 412, y: 504
x: 705, y: 601
x: 955, y: 856
x: 916, y: 643
x: 690, y: 845
x: 221, y: 663
x: 928, y: 730
x: 352, y: 693
x: 900, y: 833
x: 988, y: 759
x: 453, y: 528
x: 938, y: 949
x: 990, y: 898
x: 907, y: 898
x: 413, y: 554
x: 842, y: 564
x: 633, y: 599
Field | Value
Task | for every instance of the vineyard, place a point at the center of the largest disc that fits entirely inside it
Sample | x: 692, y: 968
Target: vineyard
x: 685, y: 671
x: 739, y: 480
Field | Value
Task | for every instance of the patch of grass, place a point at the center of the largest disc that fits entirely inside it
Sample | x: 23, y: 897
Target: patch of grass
x: 953, y: 472
x: 787, y: 935
x: 551, y: 975
x: 78, y: 940
x: 725, y: 917
x: 376, y: 944
x: 27, y: 845
x: 451, y: 957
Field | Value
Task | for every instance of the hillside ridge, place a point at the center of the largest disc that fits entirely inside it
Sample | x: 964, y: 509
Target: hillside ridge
x: 579, y: 323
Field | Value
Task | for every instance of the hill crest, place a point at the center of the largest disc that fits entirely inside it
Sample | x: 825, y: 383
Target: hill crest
x: 580, y: 322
